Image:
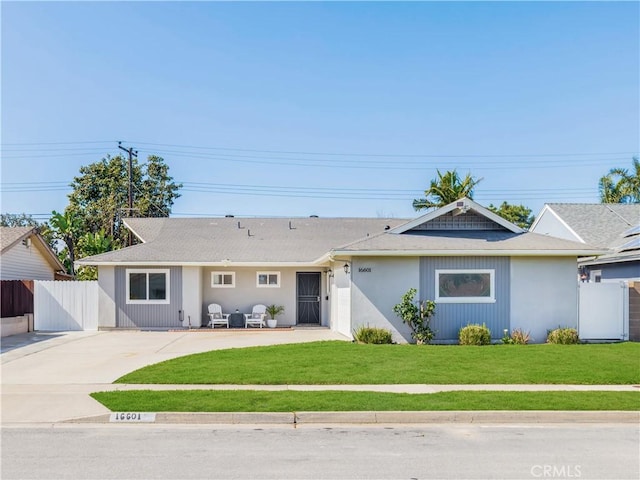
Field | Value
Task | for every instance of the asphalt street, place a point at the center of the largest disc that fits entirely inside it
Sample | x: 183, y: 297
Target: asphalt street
x: 445, y: 451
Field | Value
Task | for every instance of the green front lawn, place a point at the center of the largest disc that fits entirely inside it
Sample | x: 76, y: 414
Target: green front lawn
x: 326, y: 363
x: 292, y: 401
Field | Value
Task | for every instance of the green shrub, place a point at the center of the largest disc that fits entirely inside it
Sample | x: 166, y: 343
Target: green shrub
x: 563, y: 336
x: 506, y: 339
x: 417, y: 315
x: 372, y: 335
x: 518, y: 337
x: 474, y: 334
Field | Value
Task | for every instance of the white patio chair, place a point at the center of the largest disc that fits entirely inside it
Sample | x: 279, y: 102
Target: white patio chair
x: 256, y: 317
x: 216, y: 316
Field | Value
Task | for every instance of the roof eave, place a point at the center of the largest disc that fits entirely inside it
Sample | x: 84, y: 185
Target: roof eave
x: 464, y: 253
x: 602, y: 261
x: 222, y: 264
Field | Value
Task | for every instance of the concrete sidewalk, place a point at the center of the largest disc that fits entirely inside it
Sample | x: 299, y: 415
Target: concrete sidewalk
x: 47, y: 378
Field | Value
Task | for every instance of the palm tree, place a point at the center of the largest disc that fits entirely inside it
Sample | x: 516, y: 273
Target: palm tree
x: 620, y: 186
x: 447, y: 188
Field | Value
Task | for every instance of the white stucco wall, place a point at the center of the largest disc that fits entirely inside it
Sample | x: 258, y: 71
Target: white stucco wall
x: 377, y: 285
x: 340, y: 298
x: 192, y: 297
x: 106, y: 297
x: 544, y: 294
x: 23, y: 262
x: 246, y: 293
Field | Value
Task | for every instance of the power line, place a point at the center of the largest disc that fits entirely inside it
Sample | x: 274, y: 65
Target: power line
x: 213, y: 187
x: 61, y: 143
x: 386, y: 154
x: 340, y: 154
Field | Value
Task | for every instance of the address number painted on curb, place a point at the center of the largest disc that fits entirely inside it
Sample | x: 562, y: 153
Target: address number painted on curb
x: 119, y: 417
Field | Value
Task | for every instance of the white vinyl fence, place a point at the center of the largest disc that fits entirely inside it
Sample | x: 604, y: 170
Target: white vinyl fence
x: 604, y: 311
x: 61, y: 305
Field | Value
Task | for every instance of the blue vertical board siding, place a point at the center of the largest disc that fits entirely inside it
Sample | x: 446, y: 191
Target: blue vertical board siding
x: 149, y: 316
x: 450, y: 317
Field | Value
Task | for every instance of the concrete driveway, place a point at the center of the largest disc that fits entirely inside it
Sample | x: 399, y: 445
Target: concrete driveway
x: 46, y: 378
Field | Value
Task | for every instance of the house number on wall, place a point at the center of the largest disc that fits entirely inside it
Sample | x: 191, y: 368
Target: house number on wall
x: 364, y: 269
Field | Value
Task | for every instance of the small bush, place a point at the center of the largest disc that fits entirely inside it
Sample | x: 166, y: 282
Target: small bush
x: 563, y: 336
x: 474, y: 334
x: 506, y: 339
x: 417, y: 315
x: 520, y: 337
x: 372, y: 335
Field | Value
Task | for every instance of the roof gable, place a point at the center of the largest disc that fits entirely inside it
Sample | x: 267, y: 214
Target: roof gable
x: 461, y: 215
x: 11, y: 236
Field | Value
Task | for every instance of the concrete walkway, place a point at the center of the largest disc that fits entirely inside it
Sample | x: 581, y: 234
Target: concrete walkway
x: 47, y: 378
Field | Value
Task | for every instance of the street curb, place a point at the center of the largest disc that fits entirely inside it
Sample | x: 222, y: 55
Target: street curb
x: 369, y: 417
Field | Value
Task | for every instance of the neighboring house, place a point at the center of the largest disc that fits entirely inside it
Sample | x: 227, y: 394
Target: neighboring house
x: 343, y: 272
x: 612, y: 227
x: 25, y: 255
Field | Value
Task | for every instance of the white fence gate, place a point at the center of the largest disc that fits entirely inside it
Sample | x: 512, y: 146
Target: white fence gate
x: 60, y: 306
x: 603, y: 311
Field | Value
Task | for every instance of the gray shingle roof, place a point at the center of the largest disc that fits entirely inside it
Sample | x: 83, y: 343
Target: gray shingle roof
x: 10, y: 235
x: 481, y: 242
x: 601, y: 225
x: 255, y: 240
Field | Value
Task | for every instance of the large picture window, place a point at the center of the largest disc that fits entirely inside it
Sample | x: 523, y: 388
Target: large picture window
x: 223, y: 279
x: 465, y: 286
x: 147, y: 286
x: 268, y: 279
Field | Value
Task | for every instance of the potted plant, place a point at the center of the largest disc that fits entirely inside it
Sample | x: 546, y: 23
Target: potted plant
x: 273, y: 311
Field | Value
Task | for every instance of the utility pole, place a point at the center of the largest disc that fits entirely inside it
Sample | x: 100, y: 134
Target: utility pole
x: 132, y: 154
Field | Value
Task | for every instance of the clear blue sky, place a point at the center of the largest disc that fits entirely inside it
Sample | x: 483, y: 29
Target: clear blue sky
x: 538, y: 99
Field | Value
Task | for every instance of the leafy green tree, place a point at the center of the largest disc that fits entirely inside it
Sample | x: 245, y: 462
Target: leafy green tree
x: 100, y: 195
x: 92, y: 244
x: 66, y: 227
x: 17, y: 220
x: 620, y: 185
x: 517, y: 214
x: 446, y: 188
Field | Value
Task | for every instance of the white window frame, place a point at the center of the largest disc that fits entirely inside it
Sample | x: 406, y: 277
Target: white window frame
x: 223, y: 274
x: 492, y: 279
x: 268, y: 285
x: 147, y: 271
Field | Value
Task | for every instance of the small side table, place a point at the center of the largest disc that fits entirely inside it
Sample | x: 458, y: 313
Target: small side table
x: 236, y: 320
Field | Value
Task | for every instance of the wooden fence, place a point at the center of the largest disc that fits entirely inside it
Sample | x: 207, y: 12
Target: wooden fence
x: 17, y: 297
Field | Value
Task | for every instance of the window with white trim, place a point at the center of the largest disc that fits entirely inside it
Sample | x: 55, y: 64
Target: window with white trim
x: 223, y: 279
x: 465, y: 286
x: 268, y: 279
x: 147, y: 286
